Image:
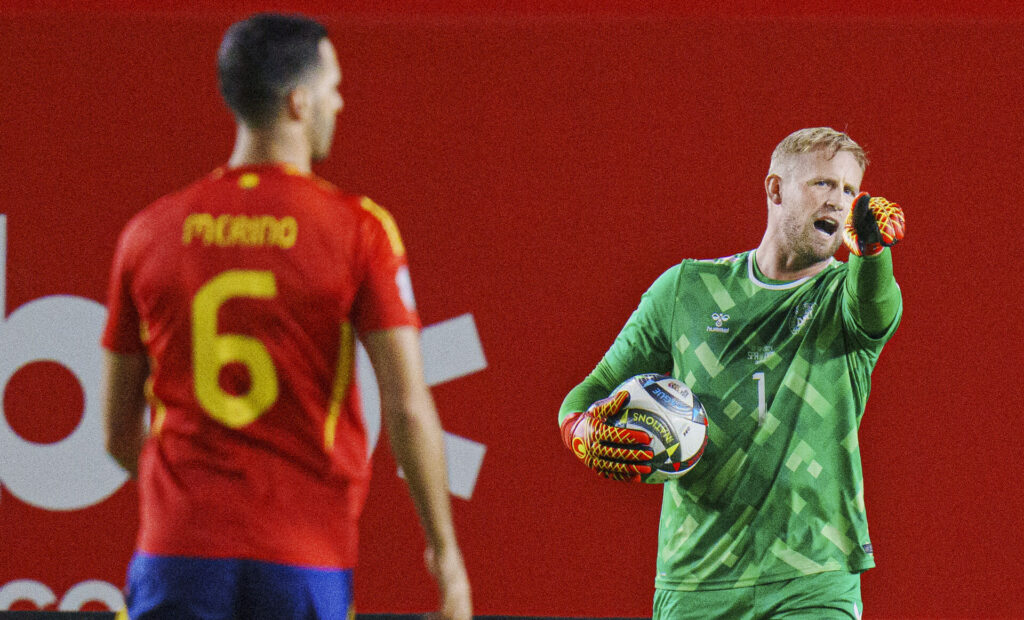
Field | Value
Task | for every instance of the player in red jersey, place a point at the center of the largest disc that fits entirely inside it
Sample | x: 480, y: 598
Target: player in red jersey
x: 234, y: 307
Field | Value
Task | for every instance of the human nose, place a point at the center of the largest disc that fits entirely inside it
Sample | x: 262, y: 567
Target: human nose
x: 835, y: 199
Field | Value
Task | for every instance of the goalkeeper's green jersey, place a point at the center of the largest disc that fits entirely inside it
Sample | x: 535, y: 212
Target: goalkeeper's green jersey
x: 784, y: 372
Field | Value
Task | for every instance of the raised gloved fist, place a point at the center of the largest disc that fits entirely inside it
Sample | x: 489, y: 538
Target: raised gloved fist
x: 873, y: 224
x: 616, y: 453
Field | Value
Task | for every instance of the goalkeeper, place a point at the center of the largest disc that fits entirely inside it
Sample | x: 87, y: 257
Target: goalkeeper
x: 779, y: 343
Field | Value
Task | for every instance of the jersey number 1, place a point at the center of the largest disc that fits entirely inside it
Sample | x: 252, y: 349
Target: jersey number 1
x: 211, y: 350
x: 762, y: 401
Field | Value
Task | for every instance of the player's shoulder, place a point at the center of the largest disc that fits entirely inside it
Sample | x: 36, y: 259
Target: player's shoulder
x: 149, y: 221
x: 380, y: 218
x: 721, y: 266
x: 371, y: 217
x: 722, y: 262
x: 330, y: 192
x: 689, y: 270
x: 361, y: 205
x: 181, y: 197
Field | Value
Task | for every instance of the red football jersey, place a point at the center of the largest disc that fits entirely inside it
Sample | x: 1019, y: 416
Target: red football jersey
x: 246, y: 290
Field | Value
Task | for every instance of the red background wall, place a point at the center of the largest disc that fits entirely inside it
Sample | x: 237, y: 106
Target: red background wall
x: 546, y: 163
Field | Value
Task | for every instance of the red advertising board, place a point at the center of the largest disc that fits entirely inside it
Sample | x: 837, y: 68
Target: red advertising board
x: 544, y: 166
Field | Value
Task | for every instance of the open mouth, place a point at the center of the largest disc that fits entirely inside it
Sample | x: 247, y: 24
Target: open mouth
x: 826, y: 226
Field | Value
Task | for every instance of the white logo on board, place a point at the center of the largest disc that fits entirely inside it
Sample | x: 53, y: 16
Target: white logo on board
x: 40, y: 595
x: 76, y: 472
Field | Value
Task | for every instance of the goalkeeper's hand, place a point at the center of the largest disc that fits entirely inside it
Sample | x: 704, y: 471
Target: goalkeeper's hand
x: 616, y: 453
x: 873, y: 224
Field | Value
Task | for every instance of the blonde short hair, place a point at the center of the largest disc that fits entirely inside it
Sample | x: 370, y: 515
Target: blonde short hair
x: 814, y: 138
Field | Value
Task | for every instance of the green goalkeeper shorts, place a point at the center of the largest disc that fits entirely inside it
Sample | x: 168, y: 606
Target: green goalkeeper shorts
x: 824, y: 596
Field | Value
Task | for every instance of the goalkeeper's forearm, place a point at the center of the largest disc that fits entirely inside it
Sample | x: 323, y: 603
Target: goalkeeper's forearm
x: 872, y: 291
x: 595, y: 387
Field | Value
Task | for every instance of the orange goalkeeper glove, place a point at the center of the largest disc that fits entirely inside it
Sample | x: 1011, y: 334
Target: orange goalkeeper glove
x: 616, y: 453
x: 873, y: 224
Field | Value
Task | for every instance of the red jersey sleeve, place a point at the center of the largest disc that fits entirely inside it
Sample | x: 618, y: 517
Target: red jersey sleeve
x: 122, y: 332
x: 385, y: 299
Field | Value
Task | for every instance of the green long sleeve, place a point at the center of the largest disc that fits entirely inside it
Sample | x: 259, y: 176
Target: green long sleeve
x: 872, y: 293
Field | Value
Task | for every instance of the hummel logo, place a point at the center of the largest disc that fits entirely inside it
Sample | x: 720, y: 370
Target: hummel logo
x: 719, y: 318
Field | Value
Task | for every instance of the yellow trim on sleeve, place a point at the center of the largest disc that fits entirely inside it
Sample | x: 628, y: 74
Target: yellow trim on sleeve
x: 155, y: 404
x: 387, y: 222
x: 157, y: 407
x: 342, y: 379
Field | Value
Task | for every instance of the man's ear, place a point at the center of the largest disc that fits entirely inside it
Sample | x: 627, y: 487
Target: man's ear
x: 773, y: 188
x: 298, y: 103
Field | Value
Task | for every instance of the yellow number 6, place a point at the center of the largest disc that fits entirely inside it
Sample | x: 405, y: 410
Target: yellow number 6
x: 211, y: 350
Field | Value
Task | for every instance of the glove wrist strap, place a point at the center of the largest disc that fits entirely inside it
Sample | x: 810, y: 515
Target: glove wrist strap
x: 568, y: 426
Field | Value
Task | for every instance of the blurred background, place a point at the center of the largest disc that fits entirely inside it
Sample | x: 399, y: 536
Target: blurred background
x: 545, y: 161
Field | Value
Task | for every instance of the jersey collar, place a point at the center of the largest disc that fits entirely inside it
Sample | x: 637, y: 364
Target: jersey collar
x: 776, y: 285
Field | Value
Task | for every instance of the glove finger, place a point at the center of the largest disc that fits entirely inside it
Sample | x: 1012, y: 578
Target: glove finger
x: 619, y: 453
x: 866, y: 220
x: 877, y: 203
x: 891, y: 222
x: 605, y: 467
x: 853, y: 227
x: 861, y: 202
x: 893, y: 234
x: 606, y: 433
x: 621, y: 477
x: 860, y: 214
x: 606, y: 407
x: 618, y: 402
x: 613, y: 475
x: 850, y: 239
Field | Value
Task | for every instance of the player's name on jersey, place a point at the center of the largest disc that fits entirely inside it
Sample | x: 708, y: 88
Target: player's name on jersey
x: 240, y: 230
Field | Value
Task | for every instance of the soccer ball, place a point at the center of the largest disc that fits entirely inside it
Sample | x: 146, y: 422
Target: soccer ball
x: 667, y: 410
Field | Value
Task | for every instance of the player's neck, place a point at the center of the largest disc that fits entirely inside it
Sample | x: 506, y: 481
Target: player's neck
x: 777, y: 264
x: 270, y: 146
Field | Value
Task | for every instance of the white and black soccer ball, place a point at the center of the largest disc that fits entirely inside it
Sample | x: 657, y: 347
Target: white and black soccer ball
x: 667, y: 410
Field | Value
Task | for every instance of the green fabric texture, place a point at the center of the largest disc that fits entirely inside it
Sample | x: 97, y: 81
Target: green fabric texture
x: 873, y: 290
x: 825, y: 596
x: 784, y: 371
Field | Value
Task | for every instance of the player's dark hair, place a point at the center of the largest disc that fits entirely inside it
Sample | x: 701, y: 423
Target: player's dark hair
x: 261, y: 59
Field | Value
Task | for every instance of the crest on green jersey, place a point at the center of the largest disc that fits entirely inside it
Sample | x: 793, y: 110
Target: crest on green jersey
x: 801, y: 314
